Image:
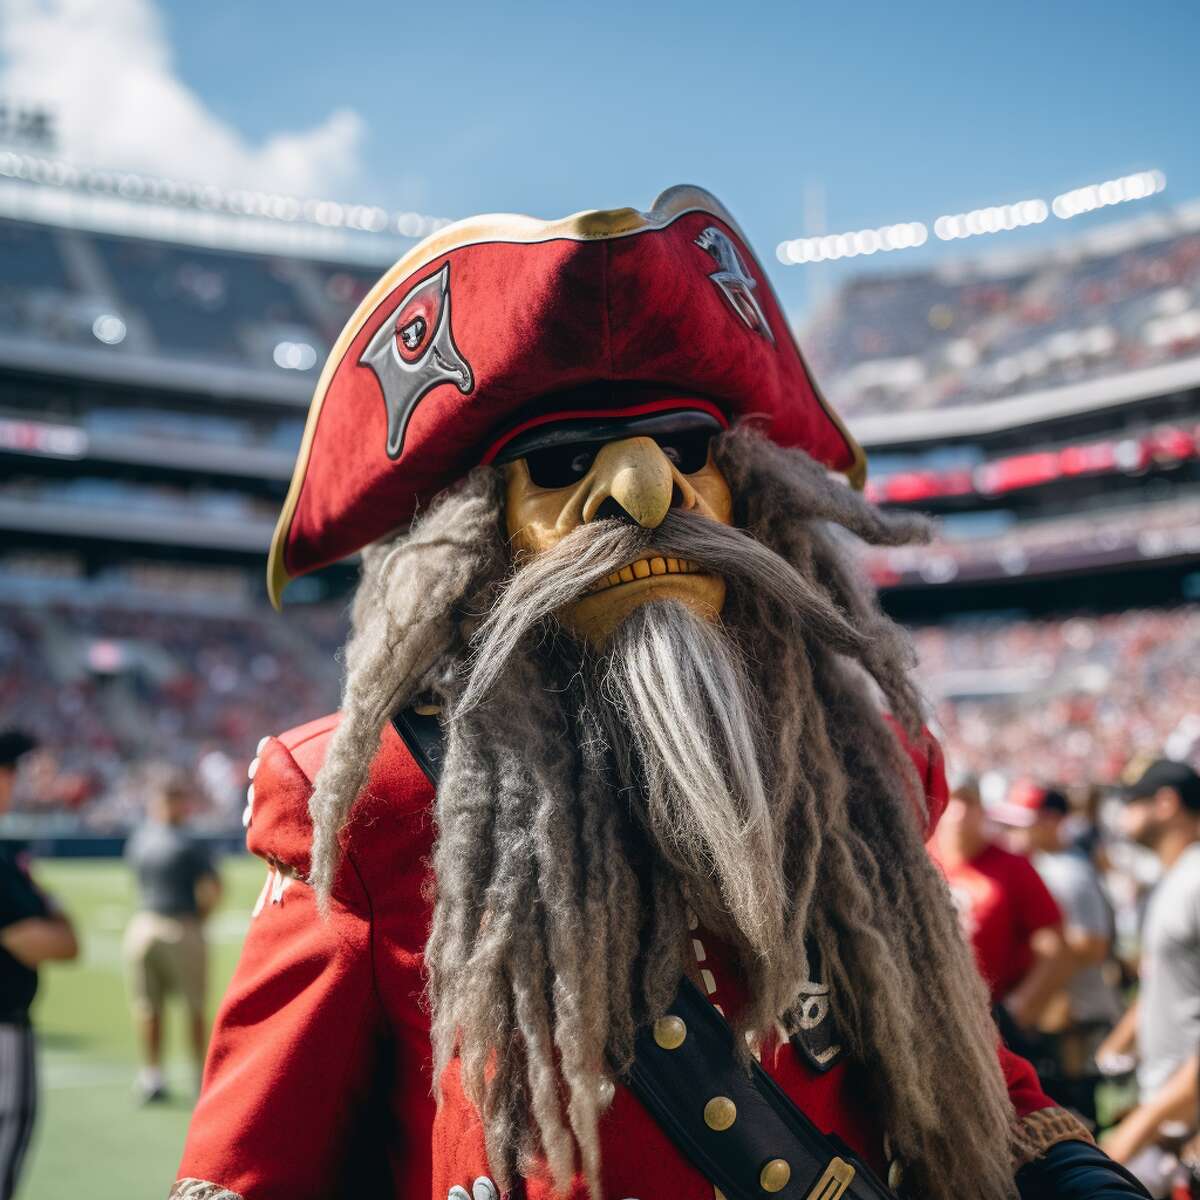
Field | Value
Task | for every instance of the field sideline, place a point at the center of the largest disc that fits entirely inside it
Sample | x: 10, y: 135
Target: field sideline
x: 92, y: 1139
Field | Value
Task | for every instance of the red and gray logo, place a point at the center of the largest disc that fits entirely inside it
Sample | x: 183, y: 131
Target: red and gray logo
x: 734, y: 280
x: 413, y: 351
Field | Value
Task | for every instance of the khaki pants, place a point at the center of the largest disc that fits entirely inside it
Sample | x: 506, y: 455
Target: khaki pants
x: 165, y: 955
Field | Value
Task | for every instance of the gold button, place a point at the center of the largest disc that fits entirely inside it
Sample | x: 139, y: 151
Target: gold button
x: 895, y: 1174
x: 669, y: 1032
x: 719, y: 1113
x: 775, y: 1175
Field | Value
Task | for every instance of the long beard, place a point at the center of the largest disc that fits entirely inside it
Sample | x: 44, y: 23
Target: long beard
x: 743, y: 770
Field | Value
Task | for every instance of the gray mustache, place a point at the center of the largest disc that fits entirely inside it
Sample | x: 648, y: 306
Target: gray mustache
x: 541, y: 585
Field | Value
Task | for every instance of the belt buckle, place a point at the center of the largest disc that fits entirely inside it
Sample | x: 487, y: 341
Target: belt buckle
x: 835, y: 1179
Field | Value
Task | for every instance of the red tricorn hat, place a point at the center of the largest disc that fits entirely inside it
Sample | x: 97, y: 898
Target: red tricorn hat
x: 497, y: 323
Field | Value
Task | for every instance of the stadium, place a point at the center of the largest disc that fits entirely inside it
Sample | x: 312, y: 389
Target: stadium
x: 158, y: 357
x: 159, y: 345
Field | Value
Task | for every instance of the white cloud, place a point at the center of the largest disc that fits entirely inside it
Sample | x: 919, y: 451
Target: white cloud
x: 105, y: 69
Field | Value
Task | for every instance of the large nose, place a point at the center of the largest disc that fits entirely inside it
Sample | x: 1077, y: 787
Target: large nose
x: 635, y: 474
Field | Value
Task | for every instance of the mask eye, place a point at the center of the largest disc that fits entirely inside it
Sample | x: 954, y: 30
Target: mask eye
x: 560, y: 466
x: 687, y: 450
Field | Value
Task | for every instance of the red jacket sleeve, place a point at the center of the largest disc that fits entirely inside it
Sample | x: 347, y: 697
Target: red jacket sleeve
x: 290, y: 1064
x: 1024, y: 1088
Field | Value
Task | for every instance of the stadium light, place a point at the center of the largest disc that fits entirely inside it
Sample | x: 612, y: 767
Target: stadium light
x: 1111, y: 191
x: 832, y: 246
x: 268, y: 206
x: 998, y: 218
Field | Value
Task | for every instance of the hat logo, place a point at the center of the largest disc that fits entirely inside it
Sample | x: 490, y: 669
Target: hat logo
x: 735, y: 281
x: 413, y: 351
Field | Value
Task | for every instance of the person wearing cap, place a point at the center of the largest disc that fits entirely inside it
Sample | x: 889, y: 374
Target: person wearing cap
x: 1162, y: 1029
x: 1037, y: 819
x: 1007, y: 912
x: 612, y: 808
x: 33, y: 930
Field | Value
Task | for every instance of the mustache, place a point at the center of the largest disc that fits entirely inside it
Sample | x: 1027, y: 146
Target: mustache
x: 540, y: 586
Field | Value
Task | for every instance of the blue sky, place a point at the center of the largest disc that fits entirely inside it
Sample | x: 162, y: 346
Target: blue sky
x: 898, y: 112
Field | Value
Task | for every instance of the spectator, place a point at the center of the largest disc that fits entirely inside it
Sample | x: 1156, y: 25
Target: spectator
x: 1162, y: 812
x: 164, y: 945
x: 32, y: 931
x: 1038, y: 820
x: 1007, y: 913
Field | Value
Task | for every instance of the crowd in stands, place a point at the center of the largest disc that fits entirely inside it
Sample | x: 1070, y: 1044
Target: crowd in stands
x: 1073, y: 700
x: 103, y: 687
x: 961, y: 335
x: 109, y: 690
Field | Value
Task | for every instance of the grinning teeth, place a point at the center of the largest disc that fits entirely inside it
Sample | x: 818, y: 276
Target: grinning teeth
x: 643, y: 568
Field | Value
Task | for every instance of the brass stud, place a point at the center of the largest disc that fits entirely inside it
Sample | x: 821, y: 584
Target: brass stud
x: 719, y: 1113
x: 669, y: 1032
x: 775, y: 1175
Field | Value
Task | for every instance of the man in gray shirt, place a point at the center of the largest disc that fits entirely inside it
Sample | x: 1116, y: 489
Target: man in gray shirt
x: 165, y: 950
x: 1162, y: 812
x: 1037, y: 817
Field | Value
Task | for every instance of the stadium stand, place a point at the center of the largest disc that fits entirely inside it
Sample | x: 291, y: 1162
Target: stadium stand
x: 968, y: 333
x: 155, y: 371
x: 1072, y: 700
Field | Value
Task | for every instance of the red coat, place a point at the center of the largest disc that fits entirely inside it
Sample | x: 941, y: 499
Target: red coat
x: 318, y: 1078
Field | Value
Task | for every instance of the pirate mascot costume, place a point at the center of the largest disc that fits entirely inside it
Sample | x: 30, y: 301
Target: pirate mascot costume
x: 609, y: 878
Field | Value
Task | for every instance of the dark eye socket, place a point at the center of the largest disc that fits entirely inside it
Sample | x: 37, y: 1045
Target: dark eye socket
x: 687, y: 450
x: 560, y: 466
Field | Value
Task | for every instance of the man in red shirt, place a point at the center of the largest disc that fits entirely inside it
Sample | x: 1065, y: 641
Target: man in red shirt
x: 1007, y: 912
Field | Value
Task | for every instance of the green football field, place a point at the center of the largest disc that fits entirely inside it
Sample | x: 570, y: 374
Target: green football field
x: 92, y: 1138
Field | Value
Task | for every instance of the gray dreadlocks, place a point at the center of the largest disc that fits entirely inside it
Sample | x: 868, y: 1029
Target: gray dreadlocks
x: 589, y: 799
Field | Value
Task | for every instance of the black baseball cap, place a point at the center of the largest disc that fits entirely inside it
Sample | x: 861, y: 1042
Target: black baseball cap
x: 1167, y: 773
x: 14, y: 743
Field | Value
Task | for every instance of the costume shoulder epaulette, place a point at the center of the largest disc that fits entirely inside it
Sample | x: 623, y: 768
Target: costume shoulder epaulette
x: 278, y: 827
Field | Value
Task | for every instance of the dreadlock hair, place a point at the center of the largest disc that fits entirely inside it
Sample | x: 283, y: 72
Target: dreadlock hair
x: 590, y: 798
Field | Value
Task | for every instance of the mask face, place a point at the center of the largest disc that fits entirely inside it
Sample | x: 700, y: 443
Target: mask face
x: 554, y: 490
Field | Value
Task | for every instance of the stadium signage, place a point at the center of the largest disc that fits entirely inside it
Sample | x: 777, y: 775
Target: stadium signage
x: 40, y: 437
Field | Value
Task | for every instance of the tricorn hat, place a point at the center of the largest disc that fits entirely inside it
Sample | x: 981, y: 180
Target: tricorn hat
x: 499, y: 323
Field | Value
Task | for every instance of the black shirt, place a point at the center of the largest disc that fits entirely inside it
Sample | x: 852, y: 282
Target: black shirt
x: 168, y: 863
x: 19, y: 900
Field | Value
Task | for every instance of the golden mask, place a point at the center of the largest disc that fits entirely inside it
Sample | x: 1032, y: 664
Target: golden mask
x: 553, y: 490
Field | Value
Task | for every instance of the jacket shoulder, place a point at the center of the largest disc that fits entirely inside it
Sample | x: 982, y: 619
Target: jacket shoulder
x: 925, y: 753
x: 278, y: 825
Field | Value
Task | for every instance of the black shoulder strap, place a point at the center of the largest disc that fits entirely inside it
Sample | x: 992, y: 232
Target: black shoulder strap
x: 422, y: 734
x: 741, y: 1130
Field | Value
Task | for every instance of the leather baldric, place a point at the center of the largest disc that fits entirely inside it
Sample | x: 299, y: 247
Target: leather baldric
x: 736, y: 1126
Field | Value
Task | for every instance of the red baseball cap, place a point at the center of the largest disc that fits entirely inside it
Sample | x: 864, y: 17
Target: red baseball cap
x: 500, y: 323
x: 1026, y: 801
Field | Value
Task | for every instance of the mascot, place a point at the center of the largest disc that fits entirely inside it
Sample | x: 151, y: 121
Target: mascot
x: 609, y: 878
